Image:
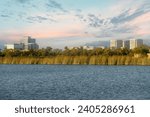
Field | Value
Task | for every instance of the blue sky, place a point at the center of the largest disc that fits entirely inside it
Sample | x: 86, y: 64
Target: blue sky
x: 60, y: 23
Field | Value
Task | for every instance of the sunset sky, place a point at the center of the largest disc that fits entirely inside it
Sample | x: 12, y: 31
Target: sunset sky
x: 60, y: 23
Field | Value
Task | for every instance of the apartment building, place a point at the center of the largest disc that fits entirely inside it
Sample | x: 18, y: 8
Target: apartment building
x: 126, y: 44
x: 134, y: 43
x: 114, y: 44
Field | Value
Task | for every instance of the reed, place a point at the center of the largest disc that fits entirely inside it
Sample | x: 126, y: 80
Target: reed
x: 77, y: 60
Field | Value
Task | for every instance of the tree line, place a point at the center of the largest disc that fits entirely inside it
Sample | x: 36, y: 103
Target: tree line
x: 50, y: 52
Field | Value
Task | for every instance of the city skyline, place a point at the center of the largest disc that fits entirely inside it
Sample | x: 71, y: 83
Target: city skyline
x: 58, y: 23
x: 29, y: 43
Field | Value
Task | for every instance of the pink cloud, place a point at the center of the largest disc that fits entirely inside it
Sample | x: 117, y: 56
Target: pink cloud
x: 141, y: 20
x: 56, y: 30
x: 55, y: 34
x: 141, y: 25
x: 45, y: 31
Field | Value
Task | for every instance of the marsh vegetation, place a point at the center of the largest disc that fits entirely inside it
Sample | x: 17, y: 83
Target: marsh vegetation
x: 77, y: 56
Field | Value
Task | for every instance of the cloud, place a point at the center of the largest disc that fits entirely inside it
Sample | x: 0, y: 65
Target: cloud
x: 130, y: 14
x: 55, y: 5
x: 92, y: 20
x: 39, y: 19
x: 128, y: 22
x: 22, y: 1
x: 5, y: 16
x: 48, y: 4
x: 11, y: 35
x: 95, y: 21
x: 132, y: 22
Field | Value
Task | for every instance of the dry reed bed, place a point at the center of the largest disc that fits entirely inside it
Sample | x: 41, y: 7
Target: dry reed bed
x: 77, y: 60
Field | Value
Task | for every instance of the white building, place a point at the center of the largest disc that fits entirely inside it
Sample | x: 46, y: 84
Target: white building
x: 134, y: 43
x: 114, y: 44
x: 88, y: 47
x: 14, y: 46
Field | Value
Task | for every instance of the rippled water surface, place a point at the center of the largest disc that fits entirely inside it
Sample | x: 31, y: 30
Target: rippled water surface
x: 74, y: 82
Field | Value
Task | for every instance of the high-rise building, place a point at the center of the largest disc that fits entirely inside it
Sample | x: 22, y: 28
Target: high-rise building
x: 126, y: 44
x: 29, y: 43
x: 115, y: 44
x: 134, y: 43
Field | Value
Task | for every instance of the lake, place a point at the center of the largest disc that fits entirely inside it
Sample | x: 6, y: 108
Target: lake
x: 74, y: 82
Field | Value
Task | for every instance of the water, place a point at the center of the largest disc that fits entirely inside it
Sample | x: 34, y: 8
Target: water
x: 74, y: 82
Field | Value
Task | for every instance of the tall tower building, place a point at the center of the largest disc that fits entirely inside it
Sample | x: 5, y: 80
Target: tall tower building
x: 126, y: 44
x: 115, y: 44
x: 134, y: 43
x: 29, y: 43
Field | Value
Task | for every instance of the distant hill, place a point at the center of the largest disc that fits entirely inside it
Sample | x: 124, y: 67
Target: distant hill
x: 98, y: 43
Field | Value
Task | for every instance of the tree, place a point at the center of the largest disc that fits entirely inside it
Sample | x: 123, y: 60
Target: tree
x: 141, y: 50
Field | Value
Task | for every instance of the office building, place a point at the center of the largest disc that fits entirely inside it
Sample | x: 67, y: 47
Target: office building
x: 29, y: 43
x: 13, y: 46
x: 126, y: 44
x: 114, y: 44
x: 134, y: 43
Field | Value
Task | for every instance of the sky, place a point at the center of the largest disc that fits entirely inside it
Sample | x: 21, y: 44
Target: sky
x: 59, y: 23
